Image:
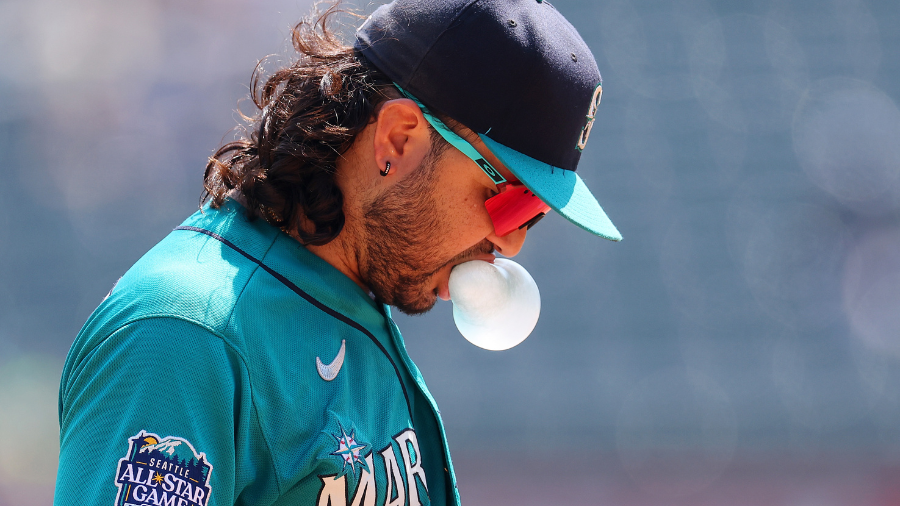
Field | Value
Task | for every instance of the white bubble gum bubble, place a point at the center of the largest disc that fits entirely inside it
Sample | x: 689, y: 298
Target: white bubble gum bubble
x: 495, y: 305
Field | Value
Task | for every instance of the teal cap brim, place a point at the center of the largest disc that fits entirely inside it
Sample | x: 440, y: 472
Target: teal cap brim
x: 563, y: 190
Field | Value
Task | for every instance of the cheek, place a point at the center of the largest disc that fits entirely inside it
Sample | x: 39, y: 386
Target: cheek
x: 469, y: 226
x: 461, y: 202
x: 465, y: 209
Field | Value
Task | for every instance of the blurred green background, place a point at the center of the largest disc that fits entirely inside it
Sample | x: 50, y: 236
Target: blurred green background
x: 740, y: 346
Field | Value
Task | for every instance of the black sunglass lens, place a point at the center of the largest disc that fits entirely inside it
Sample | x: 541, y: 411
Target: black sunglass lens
x: 530, y: 223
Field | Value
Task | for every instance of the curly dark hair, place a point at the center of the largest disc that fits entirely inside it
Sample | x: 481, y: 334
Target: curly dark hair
x: 308, y: 115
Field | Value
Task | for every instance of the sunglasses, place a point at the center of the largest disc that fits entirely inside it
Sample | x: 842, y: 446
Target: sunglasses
x: 515, y: 207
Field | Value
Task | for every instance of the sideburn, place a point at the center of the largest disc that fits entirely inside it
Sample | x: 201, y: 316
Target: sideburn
x: 401, y: 225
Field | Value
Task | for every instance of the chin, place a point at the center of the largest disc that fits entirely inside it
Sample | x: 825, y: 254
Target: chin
x: 420, y: 305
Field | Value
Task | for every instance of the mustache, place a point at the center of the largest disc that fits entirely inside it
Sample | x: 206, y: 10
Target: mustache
x: 482, y: 248
x: 410, y: 279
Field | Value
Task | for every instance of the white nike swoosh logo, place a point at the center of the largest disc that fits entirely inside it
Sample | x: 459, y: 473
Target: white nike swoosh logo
x: 330, y: 371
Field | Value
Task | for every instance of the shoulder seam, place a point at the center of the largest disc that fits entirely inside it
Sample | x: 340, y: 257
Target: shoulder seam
x: 262, y: 429
x: 312, y: 300
x: 228, y: 343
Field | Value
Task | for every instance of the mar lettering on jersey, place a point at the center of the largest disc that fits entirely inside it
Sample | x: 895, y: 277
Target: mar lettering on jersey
x: 394, y: 473
x: 162, y: 471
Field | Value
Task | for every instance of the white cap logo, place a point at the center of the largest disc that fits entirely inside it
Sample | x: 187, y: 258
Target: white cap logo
x: 592, y: 112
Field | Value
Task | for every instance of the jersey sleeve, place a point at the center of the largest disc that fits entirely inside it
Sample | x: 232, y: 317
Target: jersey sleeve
x: 160, y: 412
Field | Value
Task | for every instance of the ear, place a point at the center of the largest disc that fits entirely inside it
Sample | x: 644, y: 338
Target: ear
x: 402, y: 137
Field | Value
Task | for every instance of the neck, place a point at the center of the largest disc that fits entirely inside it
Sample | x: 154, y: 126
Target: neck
x: 340, y: 255
x: 343, y: 252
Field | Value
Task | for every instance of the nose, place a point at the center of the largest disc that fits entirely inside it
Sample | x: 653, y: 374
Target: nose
x: 510, y: 244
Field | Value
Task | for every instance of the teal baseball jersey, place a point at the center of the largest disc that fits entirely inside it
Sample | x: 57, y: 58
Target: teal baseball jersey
x: 230, y: 365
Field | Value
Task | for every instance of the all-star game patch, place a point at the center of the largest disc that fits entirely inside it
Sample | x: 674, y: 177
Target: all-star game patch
x: 162, y: 471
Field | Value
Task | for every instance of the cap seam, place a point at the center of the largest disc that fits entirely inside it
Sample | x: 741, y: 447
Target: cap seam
x: 510, y: 104
x: 434, y: 43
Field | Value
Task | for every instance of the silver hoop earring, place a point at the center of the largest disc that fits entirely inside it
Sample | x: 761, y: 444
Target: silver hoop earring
x: 387, y: 169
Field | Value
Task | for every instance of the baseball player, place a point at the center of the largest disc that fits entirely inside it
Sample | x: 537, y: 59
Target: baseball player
x: 250, y: 357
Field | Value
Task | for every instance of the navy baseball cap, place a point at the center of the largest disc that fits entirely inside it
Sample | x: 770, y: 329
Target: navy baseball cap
x: 513, y: 71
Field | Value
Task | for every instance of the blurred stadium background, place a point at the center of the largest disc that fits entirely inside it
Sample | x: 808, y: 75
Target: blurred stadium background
x: 741, y: 346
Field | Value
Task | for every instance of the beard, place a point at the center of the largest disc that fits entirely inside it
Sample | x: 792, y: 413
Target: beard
x: 402, y: 231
